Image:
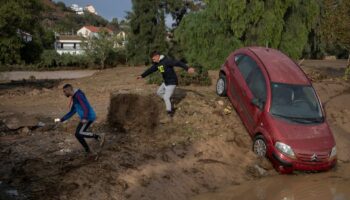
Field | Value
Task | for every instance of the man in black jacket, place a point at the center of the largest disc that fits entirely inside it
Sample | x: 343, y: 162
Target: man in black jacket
x: 165, y: 66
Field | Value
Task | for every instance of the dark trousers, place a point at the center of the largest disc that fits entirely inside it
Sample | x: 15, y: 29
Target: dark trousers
x: 81, y: 133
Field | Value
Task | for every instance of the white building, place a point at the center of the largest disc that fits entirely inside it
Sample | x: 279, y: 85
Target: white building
x: 26, y: 37
x: 92, y: 31
x: 68, y: 44
x: 122, y: 39
x: 78, y: 10
x: 91, y: 9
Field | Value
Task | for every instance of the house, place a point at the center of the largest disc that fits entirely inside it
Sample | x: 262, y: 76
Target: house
x: 92, y: 31
x: 122, y: 39
x: 91, y: 9
x: 26, y: 37
x: 68, y: 44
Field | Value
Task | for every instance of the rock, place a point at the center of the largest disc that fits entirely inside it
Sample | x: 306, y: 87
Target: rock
x: 24, y: 131
x: 220, y: 103
x: 265, y: 164
x: 17, y: 121
x: 12, y: 123
x: 261, y: 171
x: 256, y: 171
x: 3, y: 127
x: 227, y: 111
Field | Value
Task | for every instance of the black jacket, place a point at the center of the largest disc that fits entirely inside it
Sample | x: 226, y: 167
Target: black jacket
x: 166, y: 68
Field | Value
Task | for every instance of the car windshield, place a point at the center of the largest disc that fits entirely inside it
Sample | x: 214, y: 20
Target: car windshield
x: 297, y: 103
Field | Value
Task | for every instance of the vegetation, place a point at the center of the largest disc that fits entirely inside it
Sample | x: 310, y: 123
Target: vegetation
x: 335, y: 29
x: 203, y: 31
x: 40, y: 18
x: 208, y: 36
x: 17, y: 18
x: 147, y: 31
x: 51, y: 59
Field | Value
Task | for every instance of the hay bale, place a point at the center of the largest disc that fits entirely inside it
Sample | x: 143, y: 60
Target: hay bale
x: 133, y: 111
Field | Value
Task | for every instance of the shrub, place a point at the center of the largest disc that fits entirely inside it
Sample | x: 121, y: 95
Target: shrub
x: 51, y: 59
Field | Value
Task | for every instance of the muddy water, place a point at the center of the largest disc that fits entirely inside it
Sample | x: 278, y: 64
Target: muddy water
x: 323, y: 186
x: 20, y: 75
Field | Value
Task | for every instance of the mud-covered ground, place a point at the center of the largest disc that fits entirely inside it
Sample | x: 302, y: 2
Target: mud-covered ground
x: 204, y: 150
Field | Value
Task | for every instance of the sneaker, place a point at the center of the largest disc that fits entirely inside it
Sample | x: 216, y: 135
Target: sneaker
x: 171, y: 113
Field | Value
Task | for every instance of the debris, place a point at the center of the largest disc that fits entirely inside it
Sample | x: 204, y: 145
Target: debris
x: 24, y: 131
x: 227, y: 111
x: 133, y: 111
x: 220, y: 103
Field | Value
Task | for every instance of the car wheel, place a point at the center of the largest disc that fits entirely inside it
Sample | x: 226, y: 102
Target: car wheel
x: 259, y: 146
x: 221, y: 86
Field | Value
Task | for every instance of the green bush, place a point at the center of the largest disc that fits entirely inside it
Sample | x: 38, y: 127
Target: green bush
x: 51, y: 59
x: 201, y: 77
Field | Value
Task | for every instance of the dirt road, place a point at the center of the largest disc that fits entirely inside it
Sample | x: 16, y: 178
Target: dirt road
x: 204, y: 150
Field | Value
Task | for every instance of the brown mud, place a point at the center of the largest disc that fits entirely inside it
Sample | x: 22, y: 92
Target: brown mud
x: 203, y: 151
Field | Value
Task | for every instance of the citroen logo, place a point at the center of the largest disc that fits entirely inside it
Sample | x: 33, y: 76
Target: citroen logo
x: 314, y: 158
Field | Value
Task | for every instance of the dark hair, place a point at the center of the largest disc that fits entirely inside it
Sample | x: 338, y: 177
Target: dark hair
x: 67, y: 86
x: 154, y: 53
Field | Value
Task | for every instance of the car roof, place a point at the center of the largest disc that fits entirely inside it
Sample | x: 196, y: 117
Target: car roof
x: 280, y: 67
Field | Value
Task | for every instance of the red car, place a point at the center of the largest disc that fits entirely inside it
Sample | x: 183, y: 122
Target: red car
x: 280, y: 109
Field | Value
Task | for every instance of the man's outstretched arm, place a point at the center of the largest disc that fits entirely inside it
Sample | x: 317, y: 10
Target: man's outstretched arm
x: 149, y: 71
x: 176, y: 63
x: 69, y: 114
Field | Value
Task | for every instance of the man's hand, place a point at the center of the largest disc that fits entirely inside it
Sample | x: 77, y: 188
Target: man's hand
x: 57, y: 120
x: 191, y: 70
x: 84, y: 121
x: 139, y: 77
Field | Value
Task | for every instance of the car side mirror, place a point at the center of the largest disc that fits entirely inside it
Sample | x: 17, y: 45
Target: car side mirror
x: 258, y: 103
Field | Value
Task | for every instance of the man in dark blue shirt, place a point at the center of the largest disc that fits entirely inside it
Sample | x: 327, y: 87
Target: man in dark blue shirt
x: 165, y: 66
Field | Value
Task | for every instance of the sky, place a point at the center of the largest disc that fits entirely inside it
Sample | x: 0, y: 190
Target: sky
x: 106, y: 8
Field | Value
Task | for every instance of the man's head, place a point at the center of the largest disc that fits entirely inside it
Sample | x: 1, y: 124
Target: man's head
x: 68, y: 90
x: 155, y: 56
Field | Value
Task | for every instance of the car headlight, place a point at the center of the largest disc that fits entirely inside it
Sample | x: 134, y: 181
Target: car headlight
x: 285, y: 149
x: 333, y: 152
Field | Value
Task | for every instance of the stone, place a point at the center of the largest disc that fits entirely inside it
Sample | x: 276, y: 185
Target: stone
x: 220, y: 103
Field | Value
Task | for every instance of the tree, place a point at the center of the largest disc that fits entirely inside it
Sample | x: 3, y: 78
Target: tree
x: 147, y: 30
x: 100, y: 47
x: 208, y: 36
x: 114, y: 25
x: 17, y: 16
x: 335, y: 27
x: 179, y: 8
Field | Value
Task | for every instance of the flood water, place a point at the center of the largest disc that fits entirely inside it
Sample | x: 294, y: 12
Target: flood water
x: 323, y: 186
x: 39, y: 75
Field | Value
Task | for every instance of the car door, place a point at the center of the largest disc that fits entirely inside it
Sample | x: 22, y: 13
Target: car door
x: 240, y: 69
x: 257, y: 91
x: 252, y: 85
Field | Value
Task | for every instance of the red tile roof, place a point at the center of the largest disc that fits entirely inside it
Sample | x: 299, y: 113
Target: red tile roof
x: 95, y: 29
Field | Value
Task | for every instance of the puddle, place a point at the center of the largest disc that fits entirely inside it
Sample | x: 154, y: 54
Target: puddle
x: 287, y: 187
x: 40, y: 75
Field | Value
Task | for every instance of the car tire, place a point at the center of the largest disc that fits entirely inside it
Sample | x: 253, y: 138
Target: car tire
x: 260, y: 146
x: 221, y: 86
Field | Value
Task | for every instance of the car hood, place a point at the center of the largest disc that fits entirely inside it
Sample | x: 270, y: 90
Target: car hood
x: 303, y: 137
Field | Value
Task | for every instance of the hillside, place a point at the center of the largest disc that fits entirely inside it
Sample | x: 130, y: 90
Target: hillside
x: 59, y: 17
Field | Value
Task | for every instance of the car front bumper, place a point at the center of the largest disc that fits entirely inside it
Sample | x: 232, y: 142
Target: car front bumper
x: 285, y: 164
